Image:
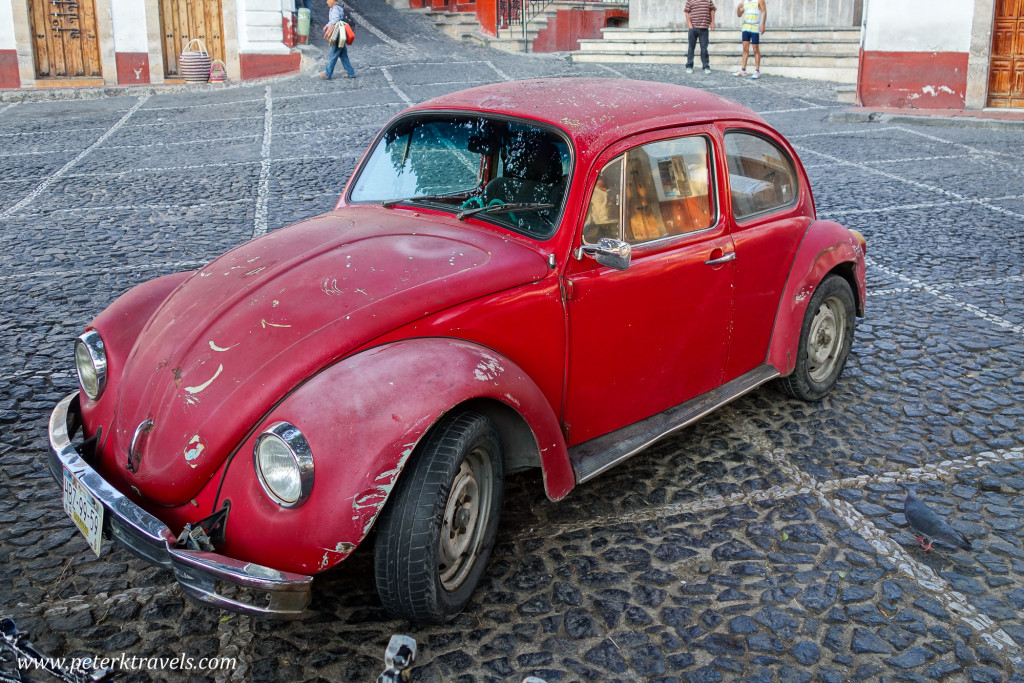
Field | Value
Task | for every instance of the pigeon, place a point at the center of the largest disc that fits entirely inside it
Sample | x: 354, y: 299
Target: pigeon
x: 931, y: 527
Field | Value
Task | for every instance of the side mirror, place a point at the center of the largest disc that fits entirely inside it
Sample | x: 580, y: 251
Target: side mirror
x: 608, y: 252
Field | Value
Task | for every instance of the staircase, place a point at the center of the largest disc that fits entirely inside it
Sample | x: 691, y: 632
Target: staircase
x: 464, y: 26
x: 826, y: 54
x: 459, y: 25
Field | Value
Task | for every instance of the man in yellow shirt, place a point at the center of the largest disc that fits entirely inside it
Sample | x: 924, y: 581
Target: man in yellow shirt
x: 753, y: 13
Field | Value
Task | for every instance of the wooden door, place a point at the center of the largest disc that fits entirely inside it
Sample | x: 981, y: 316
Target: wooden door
x: 64, y: 39
x: 183, y: 20
x: 1006, y: 70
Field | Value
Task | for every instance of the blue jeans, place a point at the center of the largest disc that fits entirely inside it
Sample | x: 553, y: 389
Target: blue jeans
x: 336, y: 53
x: 694, y: 35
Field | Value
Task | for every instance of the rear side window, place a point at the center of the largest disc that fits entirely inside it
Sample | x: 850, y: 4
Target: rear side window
x: 761, y: 176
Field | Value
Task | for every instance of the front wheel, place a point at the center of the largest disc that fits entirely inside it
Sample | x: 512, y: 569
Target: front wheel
x: 825, y: 340
x: 436, y: 534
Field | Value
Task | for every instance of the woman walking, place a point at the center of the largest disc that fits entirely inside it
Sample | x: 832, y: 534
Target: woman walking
x: 339, y: 49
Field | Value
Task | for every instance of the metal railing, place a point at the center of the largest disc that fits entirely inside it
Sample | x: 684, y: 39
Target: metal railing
x: 512, y: 13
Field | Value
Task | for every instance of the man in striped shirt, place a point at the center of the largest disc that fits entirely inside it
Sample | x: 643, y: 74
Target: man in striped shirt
x: 700, y: 19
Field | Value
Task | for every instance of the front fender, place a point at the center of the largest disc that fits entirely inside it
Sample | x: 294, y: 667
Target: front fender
x: 826, y: 246
x: 120, y: 325
x: 363, y: 417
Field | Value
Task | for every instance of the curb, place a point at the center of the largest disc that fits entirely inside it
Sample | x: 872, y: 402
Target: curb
x: 868, y: 116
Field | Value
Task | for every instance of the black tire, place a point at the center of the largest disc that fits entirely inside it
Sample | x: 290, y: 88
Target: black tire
x: 426, y: 568
x: 825, y: 340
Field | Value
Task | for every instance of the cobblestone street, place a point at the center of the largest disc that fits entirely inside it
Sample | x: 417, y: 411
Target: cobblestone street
x: 765, y: 543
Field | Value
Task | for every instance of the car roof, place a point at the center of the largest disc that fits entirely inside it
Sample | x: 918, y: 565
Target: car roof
x: 596, y: 111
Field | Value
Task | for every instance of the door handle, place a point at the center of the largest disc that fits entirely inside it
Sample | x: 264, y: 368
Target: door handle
x: 724, y: 258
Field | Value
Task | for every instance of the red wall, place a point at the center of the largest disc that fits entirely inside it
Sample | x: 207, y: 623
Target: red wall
x: 913, y: 80
x: 9, y: 77
x: 261, y: 66
x: 565, y: 29
x: 132, y: 68
x: 487, y: 15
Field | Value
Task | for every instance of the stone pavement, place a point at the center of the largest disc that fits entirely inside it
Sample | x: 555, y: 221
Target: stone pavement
x: 765, y: 543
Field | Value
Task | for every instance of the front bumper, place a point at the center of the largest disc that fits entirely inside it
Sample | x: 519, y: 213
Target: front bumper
x: 208, y: 578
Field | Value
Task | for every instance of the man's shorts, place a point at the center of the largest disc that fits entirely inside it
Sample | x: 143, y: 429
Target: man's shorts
x: 751, y: 36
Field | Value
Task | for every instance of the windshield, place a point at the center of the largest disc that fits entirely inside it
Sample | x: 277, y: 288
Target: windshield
x: 510, y: 173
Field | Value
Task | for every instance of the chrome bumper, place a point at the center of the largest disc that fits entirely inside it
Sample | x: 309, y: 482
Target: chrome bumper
x: 208, y: 578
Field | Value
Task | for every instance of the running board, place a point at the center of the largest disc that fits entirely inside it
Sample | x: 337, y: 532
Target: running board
x: 593, y: 457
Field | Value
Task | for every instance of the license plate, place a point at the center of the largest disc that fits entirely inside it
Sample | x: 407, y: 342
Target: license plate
x: 85, y: 511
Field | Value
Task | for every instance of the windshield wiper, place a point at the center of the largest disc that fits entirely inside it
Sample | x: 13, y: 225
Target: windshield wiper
x: 501, y: 208
x: 388, y: 203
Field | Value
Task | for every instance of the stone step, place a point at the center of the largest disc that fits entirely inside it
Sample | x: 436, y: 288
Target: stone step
x: 851, y: 35
x: 671, y: 46
x: 827, y: 54
x: 844, y: 71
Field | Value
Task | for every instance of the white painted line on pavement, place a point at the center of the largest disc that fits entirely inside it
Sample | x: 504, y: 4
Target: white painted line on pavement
x: 160, y: 169
x: 610, y: 70
x: 49, y: 132
x: 337, y: 109
x: 790, y: 111
x: 837, y: 133
x: 391, y: 82
x: 137, y: 207
x: 3, y: 109
x: 875, y: 171
x: 201, y: 141
x: 964, y: 284
x: 66, y: 167
x: 191, y: 123
x: 176, y: 266
x: 32, y: 154
x: 924, y: 205
x: 924, y: 576
x: 262, y: 193
x: 197, y: 106
x: 501, y: 74
x: 912, y: 159
x: 963, y: 305
x: 335, y: 130
x: 374, y: 30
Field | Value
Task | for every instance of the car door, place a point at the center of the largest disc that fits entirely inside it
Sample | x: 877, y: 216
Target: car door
x: 656, y: 334
x: 771, y: 209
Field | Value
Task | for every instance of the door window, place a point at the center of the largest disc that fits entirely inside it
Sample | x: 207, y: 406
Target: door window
x: 761, y: 176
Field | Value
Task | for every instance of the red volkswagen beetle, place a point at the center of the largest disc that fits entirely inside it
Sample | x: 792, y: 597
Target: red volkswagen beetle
x: 547, y: 273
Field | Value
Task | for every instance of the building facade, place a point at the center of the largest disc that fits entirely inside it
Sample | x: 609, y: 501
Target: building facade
x: 944, y: 54
x: 68, y: 43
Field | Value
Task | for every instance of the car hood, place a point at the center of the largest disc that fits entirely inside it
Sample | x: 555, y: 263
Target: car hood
x: 243, y: 331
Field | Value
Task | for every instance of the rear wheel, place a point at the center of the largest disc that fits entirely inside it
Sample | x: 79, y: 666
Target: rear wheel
x: 825, y: 340
x: 436, y: 534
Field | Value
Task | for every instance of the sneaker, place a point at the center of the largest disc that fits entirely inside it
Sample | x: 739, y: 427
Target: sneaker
x: 689, y: 70
x: 707, y: 71
x: 741, y: 72
x: 757, y: 74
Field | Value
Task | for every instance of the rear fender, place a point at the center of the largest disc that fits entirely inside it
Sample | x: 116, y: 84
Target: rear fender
x: 826, y: 247
x: 363, y: 418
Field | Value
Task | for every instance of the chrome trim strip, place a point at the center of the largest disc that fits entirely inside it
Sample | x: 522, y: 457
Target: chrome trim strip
x: 145, y: 536
x: 593, y: 457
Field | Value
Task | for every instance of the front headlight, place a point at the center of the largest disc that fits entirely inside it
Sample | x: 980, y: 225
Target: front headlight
x: 284, y: 464
x: 91, y: 363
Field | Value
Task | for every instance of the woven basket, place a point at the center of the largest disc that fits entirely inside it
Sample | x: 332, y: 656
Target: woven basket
x: 218, y: 71
x: 195, y: 62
